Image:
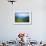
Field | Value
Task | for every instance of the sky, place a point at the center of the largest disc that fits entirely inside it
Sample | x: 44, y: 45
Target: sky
x: 22, y: 14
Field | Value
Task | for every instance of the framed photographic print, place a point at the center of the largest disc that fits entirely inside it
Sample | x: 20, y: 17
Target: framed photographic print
x: 23, y: 17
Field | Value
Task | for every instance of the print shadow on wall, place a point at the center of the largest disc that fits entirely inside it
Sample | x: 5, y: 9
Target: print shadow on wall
x: 23, y: 17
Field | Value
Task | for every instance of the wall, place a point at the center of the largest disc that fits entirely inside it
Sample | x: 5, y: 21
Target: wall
x: 9, y: 31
